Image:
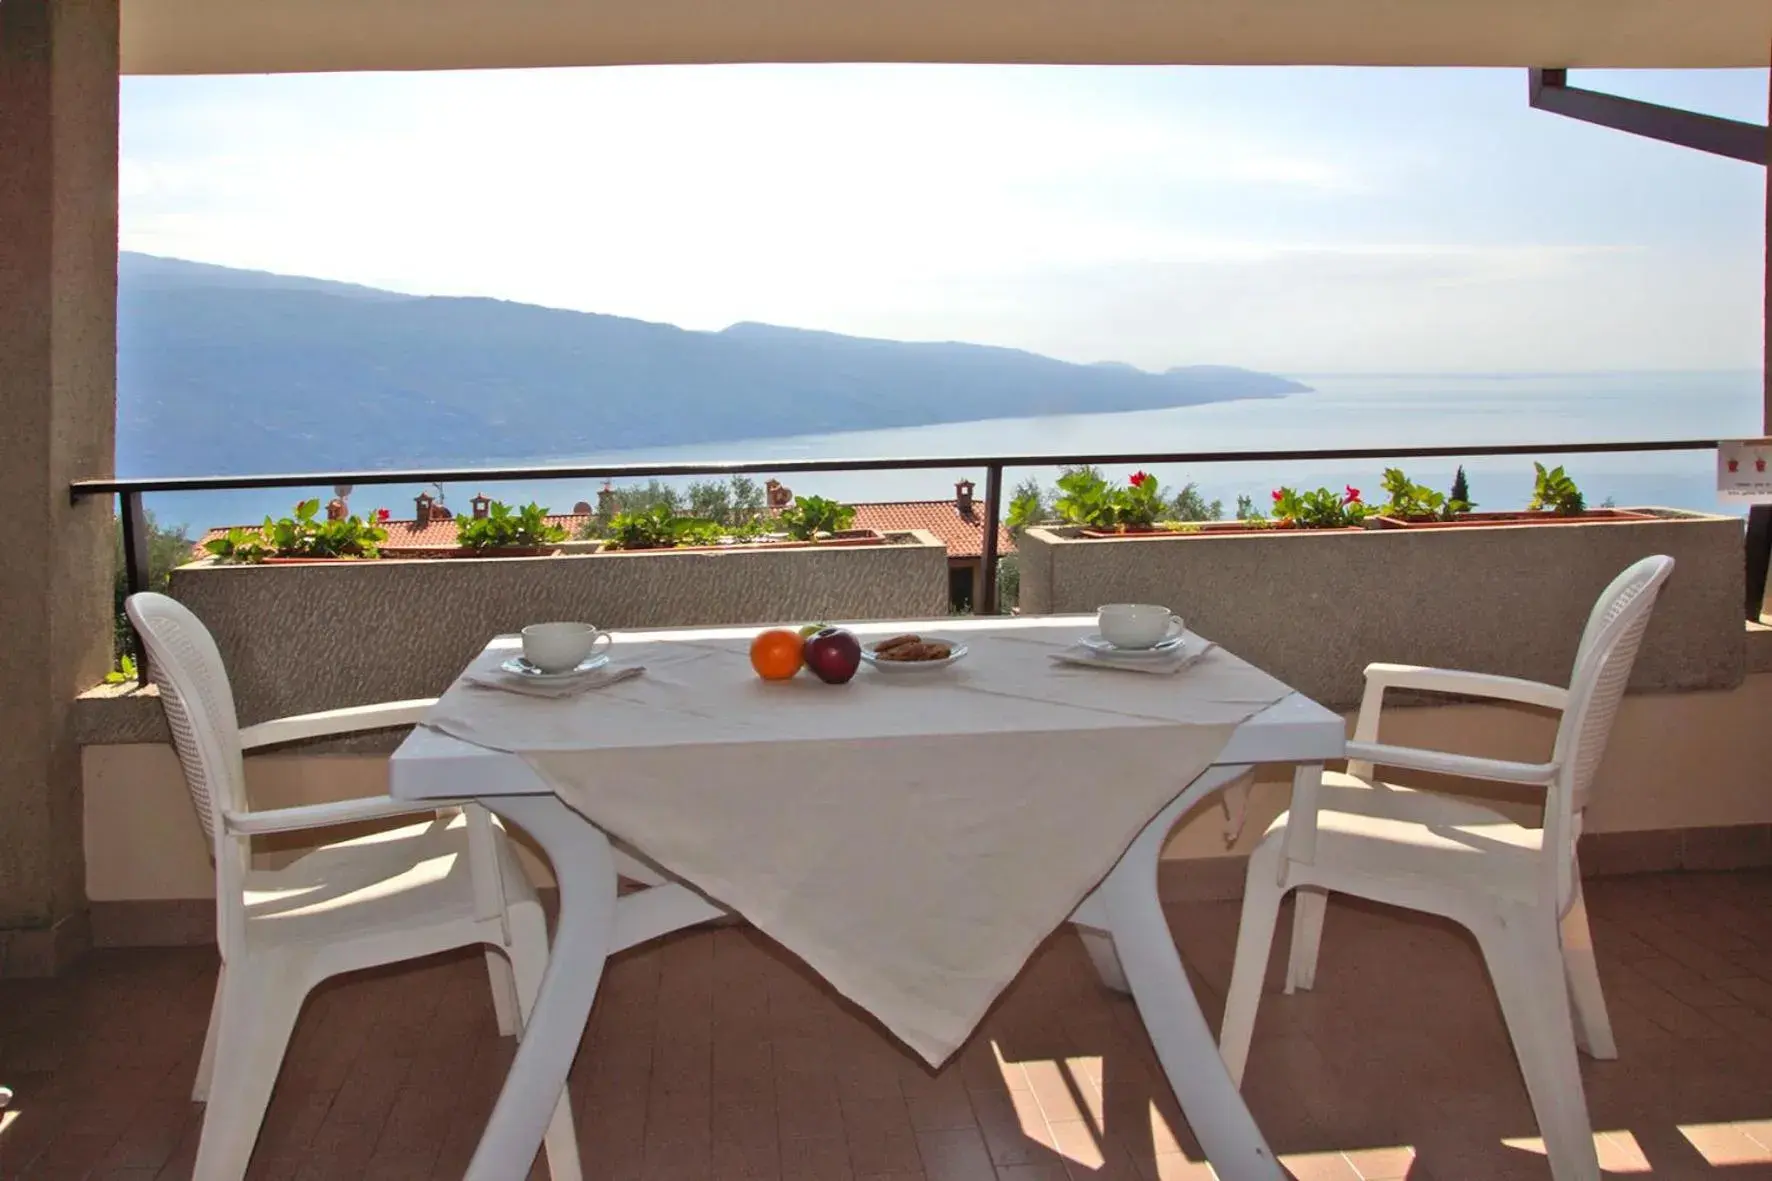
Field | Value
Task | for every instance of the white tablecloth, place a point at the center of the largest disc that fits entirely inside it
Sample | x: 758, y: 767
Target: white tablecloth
x: 913, y: 838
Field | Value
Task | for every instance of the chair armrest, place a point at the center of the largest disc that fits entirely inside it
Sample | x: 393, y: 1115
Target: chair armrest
x: 1444, y: 763
x: 1446, y: 680
x: 325, y: 815
x: 335, y: 721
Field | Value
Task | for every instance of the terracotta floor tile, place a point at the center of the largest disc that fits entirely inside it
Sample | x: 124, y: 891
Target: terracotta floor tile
x: 1076, y: 1140
x: 1171, y: 1166
x: 823, y: 1158
x: 1014, y: 1129
x: 1381, y: 1164
x: 716, y: 1057
x: 1050, y: 1172
x: 1619, y: 1152
x: 1319, y: 1166
x: 1726, y: 1144
x: 937, y: 1102
x: 880, y: 1136
x: 955, y: 1155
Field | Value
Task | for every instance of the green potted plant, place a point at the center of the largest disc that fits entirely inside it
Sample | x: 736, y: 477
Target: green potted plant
x: 1321, y: 508
x: 1553, y: 491
x: 1410, y: 503
x: 660, y: 528
x: 1556, y: 500
x: 505, y: 532
x: 1102, y: 510
x: 810, y: 518
x: 303, y: 537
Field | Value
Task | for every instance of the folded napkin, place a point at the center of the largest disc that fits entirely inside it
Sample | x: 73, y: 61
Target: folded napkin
x: 1189, y: 651
x: 551, y: 687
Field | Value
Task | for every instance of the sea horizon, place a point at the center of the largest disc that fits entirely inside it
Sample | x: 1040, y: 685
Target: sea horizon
x: 1339, y: 411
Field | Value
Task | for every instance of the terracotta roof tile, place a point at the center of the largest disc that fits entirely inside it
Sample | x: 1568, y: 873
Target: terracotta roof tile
x: 962, y: 534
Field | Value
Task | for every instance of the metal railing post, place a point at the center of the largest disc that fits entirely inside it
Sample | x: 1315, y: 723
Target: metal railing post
x: 135, y: 568
x: 993, y: 513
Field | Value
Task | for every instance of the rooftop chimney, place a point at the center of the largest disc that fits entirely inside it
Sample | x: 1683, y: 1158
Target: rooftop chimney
x: 963, y: 497
x: 481, y: 505
x: 421, y: 510
x: 606, y: 500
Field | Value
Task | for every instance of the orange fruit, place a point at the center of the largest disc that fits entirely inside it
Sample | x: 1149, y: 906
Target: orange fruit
x: 777, y: 654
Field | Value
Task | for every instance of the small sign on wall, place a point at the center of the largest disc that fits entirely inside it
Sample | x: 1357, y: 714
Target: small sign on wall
x: 1744, y: 471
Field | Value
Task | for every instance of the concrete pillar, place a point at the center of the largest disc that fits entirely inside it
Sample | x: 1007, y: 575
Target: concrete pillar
x: 58, y: 399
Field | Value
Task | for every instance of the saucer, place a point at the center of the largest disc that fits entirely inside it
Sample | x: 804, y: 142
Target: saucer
x: 519, y: 667
x: 1166, y: 647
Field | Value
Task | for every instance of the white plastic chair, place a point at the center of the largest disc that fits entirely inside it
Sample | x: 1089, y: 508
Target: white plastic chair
x: 449, y: 881
x: 1517, y: 889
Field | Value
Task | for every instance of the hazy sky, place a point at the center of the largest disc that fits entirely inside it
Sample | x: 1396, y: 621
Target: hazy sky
x: 1296, y: 220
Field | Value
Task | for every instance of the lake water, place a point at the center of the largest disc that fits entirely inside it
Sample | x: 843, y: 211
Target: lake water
x: 1341, y: 411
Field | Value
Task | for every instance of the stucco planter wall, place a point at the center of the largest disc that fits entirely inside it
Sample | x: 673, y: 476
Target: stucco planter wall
x: 1314, y: 608
x: 299, y: 638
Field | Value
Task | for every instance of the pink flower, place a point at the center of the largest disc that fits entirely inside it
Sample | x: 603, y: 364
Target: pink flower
x: 1138, y: 479
x: 1278, y: 495
x: 1353, y: 495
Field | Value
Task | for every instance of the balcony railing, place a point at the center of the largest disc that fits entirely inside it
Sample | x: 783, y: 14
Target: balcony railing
x: 131, y: 490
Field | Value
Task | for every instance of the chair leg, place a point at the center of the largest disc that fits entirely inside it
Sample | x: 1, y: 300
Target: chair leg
x: 1525, y: 966
x: 206, y: 1064
x: 529, y: 959
x: 1308, y: 907
x: 1100, y: 946
x: 504, y: 992
x: 1593, y: 1026
x: 259, y: 1005
x: 1255, y: 939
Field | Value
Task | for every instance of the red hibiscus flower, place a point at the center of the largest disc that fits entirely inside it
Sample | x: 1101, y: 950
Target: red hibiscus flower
x: 382, y: 514
x: 1138, y: 479
x: 1353, y: 495
x: 1278, y: 494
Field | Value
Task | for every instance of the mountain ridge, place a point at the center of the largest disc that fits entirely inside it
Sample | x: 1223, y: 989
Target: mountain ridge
x: 229, y: 371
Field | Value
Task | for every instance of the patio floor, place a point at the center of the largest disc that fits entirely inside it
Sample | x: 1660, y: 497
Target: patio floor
x: 713, y: 1055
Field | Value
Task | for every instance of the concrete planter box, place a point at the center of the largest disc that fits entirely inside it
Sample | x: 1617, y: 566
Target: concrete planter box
x: 309, y: 637
x: 1314, y: 608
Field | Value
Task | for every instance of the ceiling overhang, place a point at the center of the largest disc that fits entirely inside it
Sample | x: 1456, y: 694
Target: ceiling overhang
x: 303, y: 36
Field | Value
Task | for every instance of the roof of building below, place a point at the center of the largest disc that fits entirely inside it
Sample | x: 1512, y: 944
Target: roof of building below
x: 963, y: 534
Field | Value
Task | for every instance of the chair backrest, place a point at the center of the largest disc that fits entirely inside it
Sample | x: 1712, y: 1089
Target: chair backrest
x: 1603, y: 663
x: 185, y: 665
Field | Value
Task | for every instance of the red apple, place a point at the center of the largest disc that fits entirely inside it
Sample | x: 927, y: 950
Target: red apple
x: 833, y: 655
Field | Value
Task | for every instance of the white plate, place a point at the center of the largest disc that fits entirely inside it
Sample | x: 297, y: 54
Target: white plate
x: 957, y: 654
x: 519, y: 667
x: 1168, y: 647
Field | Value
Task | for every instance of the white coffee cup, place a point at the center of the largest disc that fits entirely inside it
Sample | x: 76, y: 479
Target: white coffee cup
x: 1137, y: 625
x: 562, y: 647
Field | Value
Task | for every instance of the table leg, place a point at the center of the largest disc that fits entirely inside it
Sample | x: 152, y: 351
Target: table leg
x: 1166, y: 1001
x: 586, y: 873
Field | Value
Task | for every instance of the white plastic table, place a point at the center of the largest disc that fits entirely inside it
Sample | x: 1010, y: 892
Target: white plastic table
x: 1121, y: 922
